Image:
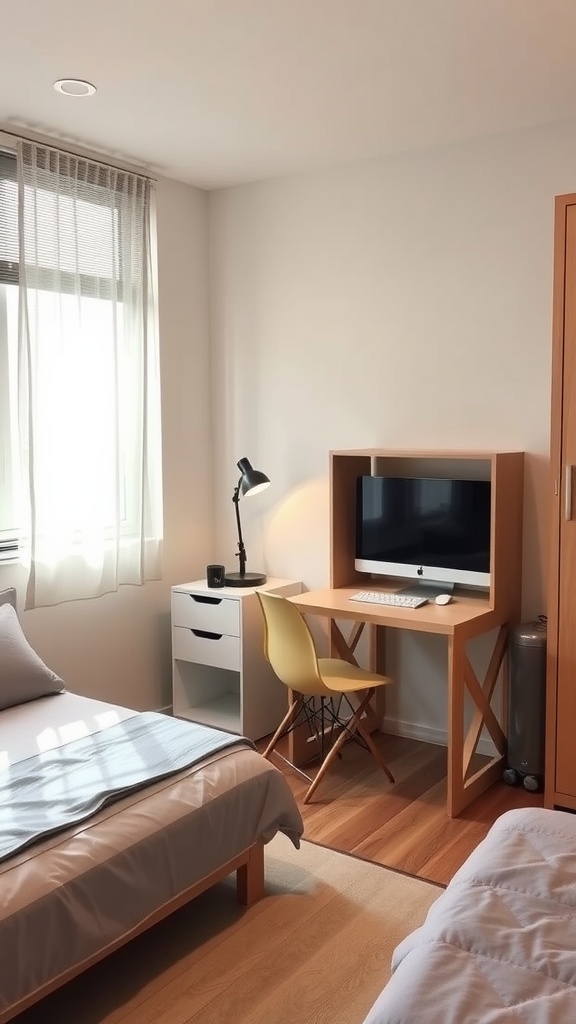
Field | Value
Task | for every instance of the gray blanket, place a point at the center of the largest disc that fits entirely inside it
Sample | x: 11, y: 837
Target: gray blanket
x: 61, y: 787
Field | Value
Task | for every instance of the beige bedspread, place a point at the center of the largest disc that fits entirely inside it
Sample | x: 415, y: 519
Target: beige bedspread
x: 499, y: 945
x: 75, y: 894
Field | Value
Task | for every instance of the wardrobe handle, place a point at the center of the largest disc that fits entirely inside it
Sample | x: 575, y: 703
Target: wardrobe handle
x: 568, y: 473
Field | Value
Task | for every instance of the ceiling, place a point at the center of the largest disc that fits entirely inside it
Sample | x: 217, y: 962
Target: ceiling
x: 219, y: 92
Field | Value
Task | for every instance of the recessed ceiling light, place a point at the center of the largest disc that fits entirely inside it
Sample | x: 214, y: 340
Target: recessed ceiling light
x: 74, y: 87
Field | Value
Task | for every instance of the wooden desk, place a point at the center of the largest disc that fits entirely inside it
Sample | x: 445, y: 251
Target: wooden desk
x: 468, y: 615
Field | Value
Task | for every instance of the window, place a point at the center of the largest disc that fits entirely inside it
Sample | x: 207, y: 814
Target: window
x: 80, y: 420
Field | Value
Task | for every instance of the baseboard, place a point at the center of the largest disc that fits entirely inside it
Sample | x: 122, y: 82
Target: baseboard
x: 414, y: 731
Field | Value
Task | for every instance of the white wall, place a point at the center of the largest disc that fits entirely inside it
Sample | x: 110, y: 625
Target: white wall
x: 403, y: 303
x: 117, y: 648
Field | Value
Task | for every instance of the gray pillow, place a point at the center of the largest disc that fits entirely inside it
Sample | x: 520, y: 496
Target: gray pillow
x: 8, y: 596
x: 23, y: 674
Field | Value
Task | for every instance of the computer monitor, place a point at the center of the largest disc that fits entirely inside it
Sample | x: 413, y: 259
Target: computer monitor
x: 422, y: 528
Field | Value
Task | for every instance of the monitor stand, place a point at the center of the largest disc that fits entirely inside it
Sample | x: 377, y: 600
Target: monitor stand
x: 427, y: 588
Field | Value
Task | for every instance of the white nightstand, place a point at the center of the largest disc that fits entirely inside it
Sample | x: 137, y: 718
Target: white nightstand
x: 220, y: 676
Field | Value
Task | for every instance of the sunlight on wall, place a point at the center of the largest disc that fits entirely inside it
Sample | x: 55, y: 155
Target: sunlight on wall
x: 296, y: 541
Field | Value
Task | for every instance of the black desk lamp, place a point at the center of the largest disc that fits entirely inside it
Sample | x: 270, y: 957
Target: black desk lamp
x: 251, y: 481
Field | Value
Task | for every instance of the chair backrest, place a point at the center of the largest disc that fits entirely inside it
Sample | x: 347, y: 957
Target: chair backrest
x: 289, y: 646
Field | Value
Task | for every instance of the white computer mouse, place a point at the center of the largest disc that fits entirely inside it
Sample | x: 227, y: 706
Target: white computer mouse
x: 443, y: 599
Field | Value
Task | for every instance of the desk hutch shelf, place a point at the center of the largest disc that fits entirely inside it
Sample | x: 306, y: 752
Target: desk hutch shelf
x: 505, y: 470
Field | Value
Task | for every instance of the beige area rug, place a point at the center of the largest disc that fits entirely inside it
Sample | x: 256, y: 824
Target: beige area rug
x: 315, y: 950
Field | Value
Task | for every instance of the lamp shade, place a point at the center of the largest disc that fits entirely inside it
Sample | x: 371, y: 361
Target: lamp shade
x: 251, y: 480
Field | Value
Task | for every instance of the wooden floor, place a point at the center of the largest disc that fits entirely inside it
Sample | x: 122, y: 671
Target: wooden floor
x: 355, y: 809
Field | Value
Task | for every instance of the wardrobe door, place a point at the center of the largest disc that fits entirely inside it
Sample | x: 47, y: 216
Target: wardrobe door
x: 561, y: 698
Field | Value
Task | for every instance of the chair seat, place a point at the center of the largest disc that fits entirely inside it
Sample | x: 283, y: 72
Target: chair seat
x: 343, y: 677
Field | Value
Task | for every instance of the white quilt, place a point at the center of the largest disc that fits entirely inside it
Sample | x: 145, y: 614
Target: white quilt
x: 499, y: 945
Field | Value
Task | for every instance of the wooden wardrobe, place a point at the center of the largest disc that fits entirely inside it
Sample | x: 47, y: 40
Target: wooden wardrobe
x: 560, y: 771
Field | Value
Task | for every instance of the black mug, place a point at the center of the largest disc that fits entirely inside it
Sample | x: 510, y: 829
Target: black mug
x: 215, y: 575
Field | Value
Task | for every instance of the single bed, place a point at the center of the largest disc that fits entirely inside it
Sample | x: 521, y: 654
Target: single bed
x: 73, y: 896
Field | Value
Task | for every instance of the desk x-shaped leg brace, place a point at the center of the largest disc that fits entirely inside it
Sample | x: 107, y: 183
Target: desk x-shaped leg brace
x: 465, y: 783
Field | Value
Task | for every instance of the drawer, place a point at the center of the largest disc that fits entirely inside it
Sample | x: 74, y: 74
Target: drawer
x: 201, y: 611
x: 214, y: 649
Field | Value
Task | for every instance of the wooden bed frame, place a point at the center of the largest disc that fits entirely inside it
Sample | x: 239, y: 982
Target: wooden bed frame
x: 249, y: 868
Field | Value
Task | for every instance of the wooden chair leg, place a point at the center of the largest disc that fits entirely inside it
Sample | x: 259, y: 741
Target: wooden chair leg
x: 361, y: 728
x: 286, y: 722
x: 354, y: 724
x: 334, y: 749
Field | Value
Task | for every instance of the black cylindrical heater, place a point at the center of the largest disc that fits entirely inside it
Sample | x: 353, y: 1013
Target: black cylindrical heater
x: 526, y: 705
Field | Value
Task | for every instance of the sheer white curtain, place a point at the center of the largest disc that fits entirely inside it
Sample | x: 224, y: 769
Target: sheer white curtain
x: 88, y: 378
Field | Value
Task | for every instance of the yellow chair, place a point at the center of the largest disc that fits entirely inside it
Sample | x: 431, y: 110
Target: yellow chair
x: 317, y: 684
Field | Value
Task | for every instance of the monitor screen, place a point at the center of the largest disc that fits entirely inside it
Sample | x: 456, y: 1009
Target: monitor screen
x: 424, y: 528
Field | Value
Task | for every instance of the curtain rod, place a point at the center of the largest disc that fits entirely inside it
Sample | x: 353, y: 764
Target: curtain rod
x: 74, y: 149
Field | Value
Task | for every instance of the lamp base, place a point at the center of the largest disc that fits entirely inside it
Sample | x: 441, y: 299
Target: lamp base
x: 249, y: 579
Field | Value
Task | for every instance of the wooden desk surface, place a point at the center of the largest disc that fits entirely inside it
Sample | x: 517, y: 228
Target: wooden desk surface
x: 465, y: 610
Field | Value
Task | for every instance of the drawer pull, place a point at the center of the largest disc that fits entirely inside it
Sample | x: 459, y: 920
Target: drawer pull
x: 206, y: 635
x: 202, y: 599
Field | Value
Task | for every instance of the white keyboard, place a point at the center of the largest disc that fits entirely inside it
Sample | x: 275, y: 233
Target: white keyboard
x: 390, y: 600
